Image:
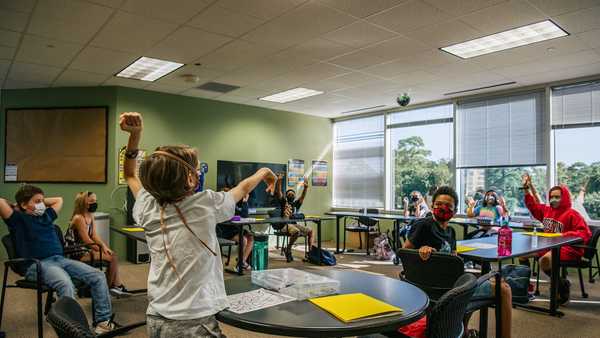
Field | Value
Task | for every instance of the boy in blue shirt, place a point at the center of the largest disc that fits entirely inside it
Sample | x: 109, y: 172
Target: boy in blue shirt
x: 32, y: 230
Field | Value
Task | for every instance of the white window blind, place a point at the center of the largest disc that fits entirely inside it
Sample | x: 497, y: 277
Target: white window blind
x: 506, y: 131
x: 358, y: 163
x: 579, y: 104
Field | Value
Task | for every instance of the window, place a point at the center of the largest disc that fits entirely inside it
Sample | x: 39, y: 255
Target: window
x: 498, y: 140
x: 576, y: 129
x: 420, y: 151
x: 358, y: 163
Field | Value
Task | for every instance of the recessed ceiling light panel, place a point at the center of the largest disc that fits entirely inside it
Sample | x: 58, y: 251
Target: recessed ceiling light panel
x: 512, y: 38
x: 291, y: 95
x: 149, y: 69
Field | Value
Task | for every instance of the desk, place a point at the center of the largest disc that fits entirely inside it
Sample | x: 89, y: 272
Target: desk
x: 272, y: 221
x: 304, y: 319
x: 393, y: 217
x: 521, y: 246
x: 472, y: 222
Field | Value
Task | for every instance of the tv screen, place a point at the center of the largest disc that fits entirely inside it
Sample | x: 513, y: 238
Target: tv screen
x: 230, y: 173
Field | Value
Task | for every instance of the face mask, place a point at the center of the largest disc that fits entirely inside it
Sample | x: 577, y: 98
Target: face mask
x: 290, y: 199
x: 414, y: 199
x: 39, y: 209
x: 442, y: 213
x: 93, y: 207
x: 490, y: 200
x: 555, y: 202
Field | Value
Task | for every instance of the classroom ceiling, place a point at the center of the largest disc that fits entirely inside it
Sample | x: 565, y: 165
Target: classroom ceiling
x: 361, y: 53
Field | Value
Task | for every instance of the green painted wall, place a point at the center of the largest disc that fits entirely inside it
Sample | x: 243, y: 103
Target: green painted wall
x: 220, y: 131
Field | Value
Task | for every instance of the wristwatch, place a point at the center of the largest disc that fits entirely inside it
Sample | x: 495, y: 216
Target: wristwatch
x: 131, y: 154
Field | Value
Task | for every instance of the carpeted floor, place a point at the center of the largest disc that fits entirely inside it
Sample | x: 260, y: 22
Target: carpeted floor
x: 580, y: 320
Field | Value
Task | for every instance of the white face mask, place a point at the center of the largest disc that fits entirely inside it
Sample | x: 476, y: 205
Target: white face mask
x: 39, y: 209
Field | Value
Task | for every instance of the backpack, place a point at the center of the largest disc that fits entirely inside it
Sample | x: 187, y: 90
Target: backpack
x: 383, y: 249
x: 517, y: 277
x: 326, y: 257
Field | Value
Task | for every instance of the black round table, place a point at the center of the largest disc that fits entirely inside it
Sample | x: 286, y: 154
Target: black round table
x: 304, y: 319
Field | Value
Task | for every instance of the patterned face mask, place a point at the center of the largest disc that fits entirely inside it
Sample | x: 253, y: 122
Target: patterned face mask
x: 443, y: 213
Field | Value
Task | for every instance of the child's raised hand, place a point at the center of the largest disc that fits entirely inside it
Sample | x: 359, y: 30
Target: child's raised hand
x: 270, y: 179
x: 131, y: 122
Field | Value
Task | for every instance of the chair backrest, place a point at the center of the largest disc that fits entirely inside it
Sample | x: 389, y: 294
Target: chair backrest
x: 446, y: 317
x: 11, y: 252
x: 593, y: 243
x: 435, y: 276
x: 68, y: 319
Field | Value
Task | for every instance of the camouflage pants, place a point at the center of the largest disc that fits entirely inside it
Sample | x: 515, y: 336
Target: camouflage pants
x: 206, y: 327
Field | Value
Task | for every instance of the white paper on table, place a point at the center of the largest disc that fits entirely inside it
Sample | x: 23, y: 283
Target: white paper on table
x: 354, y: 266
x: 482, y: 245
x: 374, y: 262
x: 256, y: 300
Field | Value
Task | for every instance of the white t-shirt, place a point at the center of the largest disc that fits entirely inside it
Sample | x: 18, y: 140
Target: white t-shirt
x: 201, y: 291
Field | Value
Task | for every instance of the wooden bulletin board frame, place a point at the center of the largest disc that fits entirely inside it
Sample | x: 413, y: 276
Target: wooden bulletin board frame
x: 103, y: 180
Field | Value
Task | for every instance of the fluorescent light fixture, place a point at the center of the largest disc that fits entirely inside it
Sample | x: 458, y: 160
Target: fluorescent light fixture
x: 149, y: 69
x: 291, y: 95
x: 512, y: 38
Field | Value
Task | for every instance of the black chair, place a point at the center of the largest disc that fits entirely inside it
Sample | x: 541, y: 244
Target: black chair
x: 285, y: 239
x: 69, y: 321
x: 228, y: 244
x: 366, y: 225
x: 586, y: 262
x: 15, y: 264
x: 445, y: 318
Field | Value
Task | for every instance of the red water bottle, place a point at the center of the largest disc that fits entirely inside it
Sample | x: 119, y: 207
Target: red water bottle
x: 504, y: 238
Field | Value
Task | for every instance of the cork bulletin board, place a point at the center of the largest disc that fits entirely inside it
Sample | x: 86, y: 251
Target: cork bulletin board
x: 56, y: 145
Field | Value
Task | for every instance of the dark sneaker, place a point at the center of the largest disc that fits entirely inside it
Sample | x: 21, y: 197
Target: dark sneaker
x: 119, y: 292
x: 564, y: 291
x: 288, y: 255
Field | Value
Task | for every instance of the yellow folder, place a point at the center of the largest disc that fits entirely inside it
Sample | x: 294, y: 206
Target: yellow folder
x: 463, y: 248
x: 544, y: 234
x: 133, y: 229
x: 355, y: 306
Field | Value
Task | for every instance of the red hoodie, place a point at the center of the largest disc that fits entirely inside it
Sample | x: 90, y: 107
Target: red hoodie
x: 563, y: 219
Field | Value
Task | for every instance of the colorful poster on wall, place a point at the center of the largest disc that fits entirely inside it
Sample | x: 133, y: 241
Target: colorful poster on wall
x: 295, y: 174
x: 319, y: 173
x: 139, y: 159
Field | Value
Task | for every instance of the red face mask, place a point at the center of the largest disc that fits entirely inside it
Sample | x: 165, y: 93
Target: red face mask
x: 443, y: 213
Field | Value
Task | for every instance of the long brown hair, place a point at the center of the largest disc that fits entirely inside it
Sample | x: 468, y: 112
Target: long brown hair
x: 167, y: 178
x: 81, y: 207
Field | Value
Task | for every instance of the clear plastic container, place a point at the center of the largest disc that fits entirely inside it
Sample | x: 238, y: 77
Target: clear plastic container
x: 296, y: 283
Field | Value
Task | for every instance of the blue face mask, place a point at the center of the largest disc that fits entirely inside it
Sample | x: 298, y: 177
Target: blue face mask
x: 39, y: 209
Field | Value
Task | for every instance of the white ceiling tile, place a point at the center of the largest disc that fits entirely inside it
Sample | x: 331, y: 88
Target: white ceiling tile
x: 445, y: 34
x: 76, y: 78
x: 176, y: 79
x: 264, y: 9
x: 396, y: 48
x: 108, y: 3
x: 559, y: 74
x: 7, y: 53
x: 46, y: 51
x: 293, y: 28
x: 177, y: 11
x: 102, y: 61
x: 462, y: 7
x: 320, y: 49
x: 365, y: 91
x: 409, y: 16
x: 414, y: 78
x: 68, y: 20
x: 353, y: 79
x: 167, y: 89
x: 119, y: 81
x: 557, y: 7
x: 357, y: 60
x: 420, y: 61
x: 249, y: 93
x: 362, y: 8
x: 187, y: 44
x: 591, y: 38
x: 195, y: 92
x: 33, y: 73
x: 4, y: 65
x: 11, y: 20
x: 580, y: 21
x: 19, y: 84
x: 504, y: 16
x: 18, y: 5
x: 235, y: 99
x: 456, y: 70
x: 234, y: 55
x: 550, y: 64
x: 359, y: 34
x: 9, y: 38
x: 311, y: 73
x: 132, y: 33
x: 220, y: 20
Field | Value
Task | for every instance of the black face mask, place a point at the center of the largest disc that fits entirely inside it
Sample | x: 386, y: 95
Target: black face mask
x: 414, y: 199
x: 290, y: 199
x: 93, y: 207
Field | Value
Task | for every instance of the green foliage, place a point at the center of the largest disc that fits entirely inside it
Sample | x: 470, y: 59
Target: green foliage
x: 579, y: 175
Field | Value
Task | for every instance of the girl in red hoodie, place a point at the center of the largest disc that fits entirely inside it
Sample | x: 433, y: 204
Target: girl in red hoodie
x: 558, y: 217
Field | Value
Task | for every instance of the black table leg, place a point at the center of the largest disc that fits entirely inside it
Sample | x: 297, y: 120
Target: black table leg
x: 483, y: 313
x: 337, y: 234
x: 396, y: 241
x: 319, y: 239
x: 465, y: 230
x: 499, y: 301
x: 554, y: 280
x: 240, y: 264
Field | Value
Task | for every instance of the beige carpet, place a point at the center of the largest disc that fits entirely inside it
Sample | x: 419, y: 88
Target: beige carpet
x: 581, y: 319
